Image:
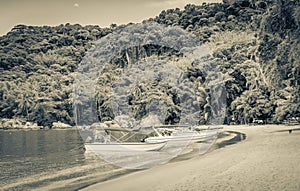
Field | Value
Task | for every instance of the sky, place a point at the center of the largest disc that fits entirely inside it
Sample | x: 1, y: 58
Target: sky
x: 84, y: 12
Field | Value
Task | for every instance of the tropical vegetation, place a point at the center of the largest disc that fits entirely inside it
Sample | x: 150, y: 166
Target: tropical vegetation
x: 255, y: 42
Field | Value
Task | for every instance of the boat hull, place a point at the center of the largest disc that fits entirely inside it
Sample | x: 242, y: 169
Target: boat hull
x: 98, y: 147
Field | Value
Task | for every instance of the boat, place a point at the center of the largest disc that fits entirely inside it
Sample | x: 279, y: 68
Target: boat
x: 125, y: 146
x: 175, y: 135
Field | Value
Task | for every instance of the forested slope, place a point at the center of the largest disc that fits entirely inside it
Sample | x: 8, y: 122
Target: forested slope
x: 256, y: 44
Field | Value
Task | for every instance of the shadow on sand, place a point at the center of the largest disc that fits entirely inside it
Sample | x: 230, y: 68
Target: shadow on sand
x: 228, y: 138
x: 237, y: 138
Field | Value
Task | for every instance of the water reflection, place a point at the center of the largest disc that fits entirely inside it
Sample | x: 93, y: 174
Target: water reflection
x: 40, y: 159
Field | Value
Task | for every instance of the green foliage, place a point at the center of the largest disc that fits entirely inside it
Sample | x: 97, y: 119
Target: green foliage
x: 37, y: 65
x: 256, y: 44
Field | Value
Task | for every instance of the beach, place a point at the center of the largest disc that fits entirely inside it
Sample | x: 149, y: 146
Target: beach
x: 268, y: 159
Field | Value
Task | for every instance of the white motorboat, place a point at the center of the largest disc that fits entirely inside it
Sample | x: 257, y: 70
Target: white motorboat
x: 188, y: 136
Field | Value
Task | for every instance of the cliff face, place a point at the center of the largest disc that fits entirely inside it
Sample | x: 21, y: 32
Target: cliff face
x: 255, y: 43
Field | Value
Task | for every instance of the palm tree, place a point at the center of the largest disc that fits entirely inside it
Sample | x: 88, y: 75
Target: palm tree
x: 287, y: 102
x: 8, y: 104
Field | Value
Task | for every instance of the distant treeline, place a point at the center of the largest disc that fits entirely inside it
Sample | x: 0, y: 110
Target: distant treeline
x: 256, y: 43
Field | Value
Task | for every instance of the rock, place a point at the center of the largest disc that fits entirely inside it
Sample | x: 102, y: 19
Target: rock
x: 88, y: 139
x: 112, y: 124
x: 95, y: 126
x: 60, y: 125
x: 103, y: 126
x: 125, y: 121
x: 31, y: 125
x: 150, y: 120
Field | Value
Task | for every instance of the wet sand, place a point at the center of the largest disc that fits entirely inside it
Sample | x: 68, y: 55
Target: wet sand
x: 268, y: 159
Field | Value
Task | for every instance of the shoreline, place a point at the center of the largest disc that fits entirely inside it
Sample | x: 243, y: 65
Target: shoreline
x: 36, y: 129
x: 266, y: 160
x: 290, y: 126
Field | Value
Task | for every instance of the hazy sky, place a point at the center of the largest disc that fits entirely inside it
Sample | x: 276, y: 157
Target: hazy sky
x: 84, y: 12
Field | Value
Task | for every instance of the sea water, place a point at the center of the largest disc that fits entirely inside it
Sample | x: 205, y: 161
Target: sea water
x: 48, y: 160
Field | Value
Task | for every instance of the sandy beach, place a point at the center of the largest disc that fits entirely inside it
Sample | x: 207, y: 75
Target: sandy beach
x: 268, y: 159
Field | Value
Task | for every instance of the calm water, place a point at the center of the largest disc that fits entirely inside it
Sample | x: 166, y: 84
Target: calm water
x: 48, y: 160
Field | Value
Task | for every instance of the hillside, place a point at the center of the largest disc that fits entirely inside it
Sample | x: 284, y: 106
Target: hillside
x: 256, y: 44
